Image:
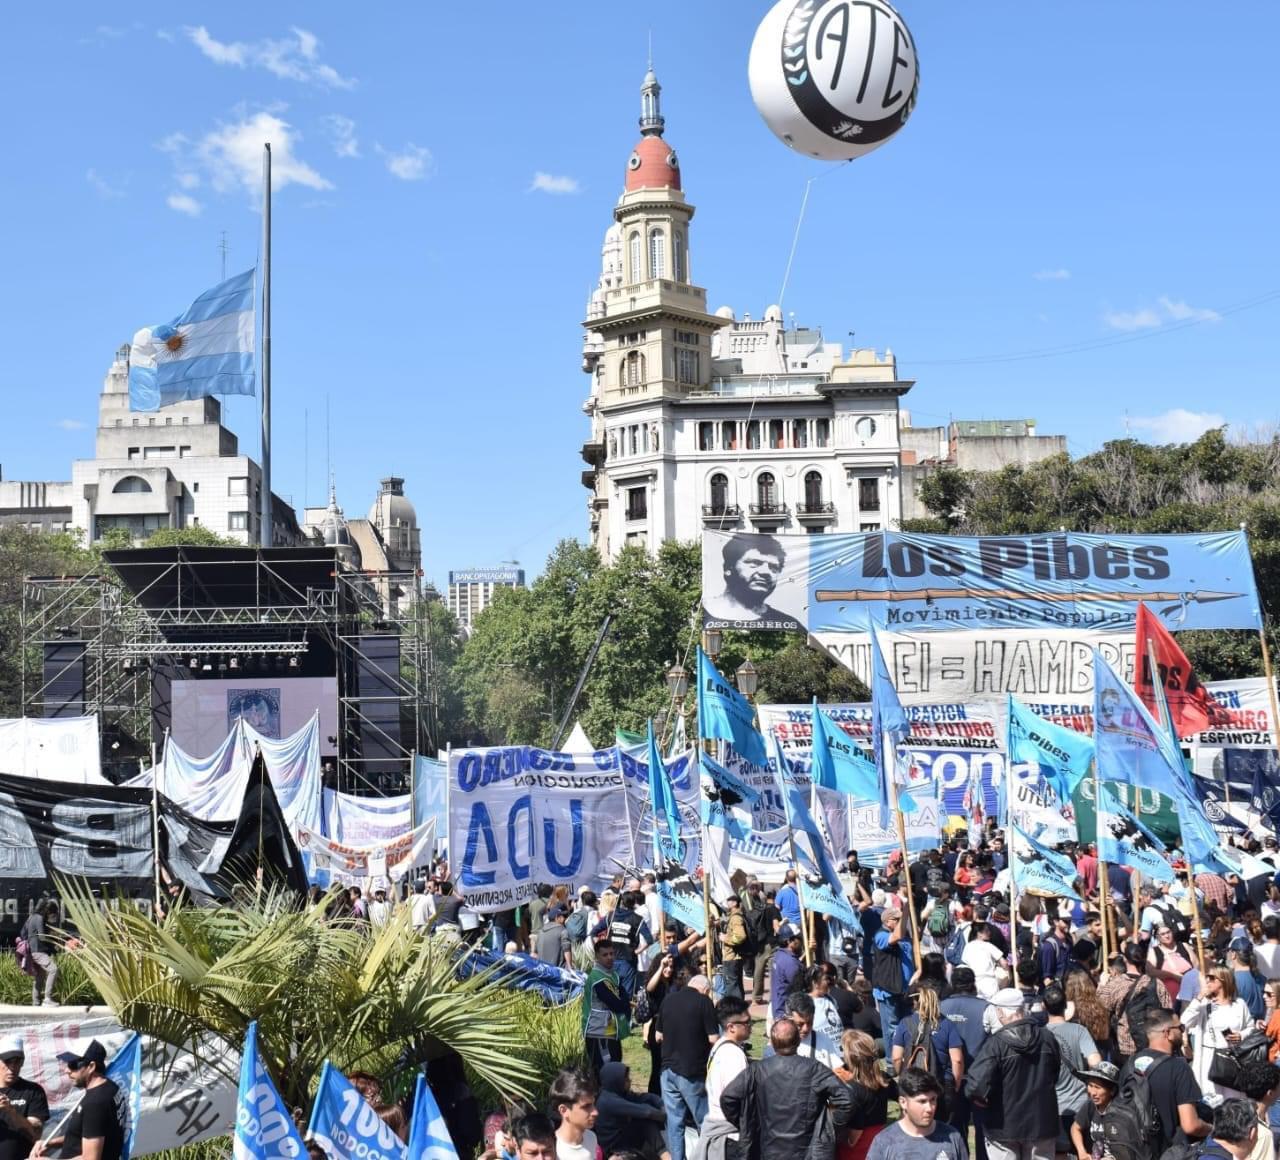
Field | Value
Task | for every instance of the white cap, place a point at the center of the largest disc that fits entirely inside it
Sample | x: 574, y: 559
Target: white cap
x: 11, y: 1045
x: 1009, y: 999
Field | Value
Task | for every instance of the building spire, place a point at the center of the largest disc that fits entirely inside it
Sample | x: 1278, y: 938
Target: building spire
x: 651, y: 120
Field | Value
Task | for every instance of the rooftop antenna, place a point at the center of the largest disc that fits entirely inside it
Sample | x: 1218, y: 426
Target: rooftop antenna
x: 650, y: 65
x: 222, y: 249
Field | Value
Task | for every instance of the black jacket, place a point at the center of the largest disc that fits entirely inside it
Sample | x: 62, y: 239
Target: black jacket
x: 777, y: 1103
x: 1013, y: 1077
x: 623, y: 1114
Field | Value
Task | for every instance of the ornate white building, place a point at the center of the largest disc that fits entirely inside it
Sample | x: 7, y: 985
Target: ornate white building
x: 700, y: 420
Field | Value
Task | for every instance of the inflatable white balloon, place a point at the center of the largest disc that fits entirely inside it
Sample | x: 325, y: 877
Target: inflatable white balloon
x: 833, y: 78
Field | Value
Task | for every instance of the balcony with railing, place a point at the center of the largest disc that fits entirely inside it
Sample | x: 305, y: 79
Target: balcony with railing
x: 822, y: 512
x: 769, y: 512
x: 763, y: 386
x: 720, y: 515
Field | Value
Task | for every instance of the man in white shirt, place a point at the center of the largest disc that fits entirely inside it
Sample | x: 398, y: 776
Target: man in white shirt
x: 728, y: 1053
x: 983, y: 958
x: 423, y: 908
x: 379, y: 908
x: 816, y: 1044
x: 1268, y: 951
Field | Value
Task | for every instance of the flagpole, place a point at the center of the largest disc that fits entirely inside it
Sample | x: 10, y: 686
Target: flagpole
x: 265, y: 538
x: 1013, y: 860
x: 889, y: 760
x: 1269, y: 676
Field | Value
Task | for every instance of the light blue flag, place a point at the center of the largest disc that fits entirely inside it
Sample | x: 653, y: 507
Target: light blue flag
x: 346, y: 1125
x: 1036, y: 867
x: 1062, y: 754
x: 679, y: 894
x: 838, y: 762
x: 820, y: 887
x: 1130, y: 746
x: 728, y: 787
x: 208, y: 350
x: 264, y: 1129
x: 1200, y: 841
x: 125, y: 1071
x: 889, y: 724
x: 1124, y: 841
x: 725, y: 714
x: 429, y: 1137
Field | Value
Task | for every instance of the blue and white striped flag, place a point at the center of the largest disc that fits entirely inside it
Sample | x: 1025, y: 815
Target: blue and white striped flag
x: 429, y: 1137
x: 206, y: 351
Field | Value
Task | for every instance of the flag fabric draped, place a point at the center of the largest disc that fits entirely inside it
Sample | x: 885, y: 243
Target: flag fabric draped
x: 662, y: 797
x: 1190, y: 706
x: 1264, y: 792
x: 264, y: 1128
x: 1124, y: 841
x: 1200, y: 842
x: 719, y: 823
x: 1036, y: 867
x: 679, y: 894
x: 125, y: 1071
x: 724, y: 714
x: 1130, y: 747
x: 819, y: 881
x: 1062, y: 754
x: 728, y: 787
x: 838, y: 762
x: 889, y: 729
x: 429, y: 1137
x: 679, y: 741
x: 346, y: 1125
x: 207, y: 350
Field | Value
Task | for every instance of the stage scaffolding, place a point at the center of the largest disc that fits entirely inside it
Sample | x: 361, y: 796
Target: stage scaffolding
x: 172, y: 612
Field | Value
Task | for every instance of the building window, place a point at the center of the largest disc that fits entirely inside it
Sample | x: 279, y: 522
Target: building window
x: 766, y: 491
x: 168, y: 420
x: 813, y: 490
x: 865, y: 427
x: 131, y: 484
x: 657, y: 254
x: 821, y: 432
x: 183, y: 452
x: 688, y: 337
x: 868, y: 527
x: 706, y: 436
x: 633, y: 439
x: 688, y: 366
x: 800, y: 433
x: 185, y: 419
x: 158, y: 452
x: 777, y: 433
x: 119, y: 422
x: 238, y: 485
x: 637, y: 503
x: 634, y: 376
x: 135, y: 452
x: 636, y: 267
x: 238, y: 521
x: 869, y: 495
x: 151, y: 422
x: 753, y: 435
x: 678, y: 257
x: 729, y: 435
x: 719, y: 493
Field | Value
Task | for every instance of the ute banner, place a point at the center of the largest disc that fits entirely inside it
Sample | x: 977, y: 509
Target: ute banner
x: 519, y: 816
x: 893, y: 580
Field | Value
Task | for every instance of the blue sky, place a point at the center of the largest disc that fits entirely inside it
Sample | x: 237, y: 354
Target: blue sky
x: 1087, y: 175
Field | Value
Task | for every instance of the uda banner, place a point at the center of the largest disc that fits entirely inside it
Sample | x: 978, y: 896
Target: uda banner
x: 891, y: 580
x: 519, y: 816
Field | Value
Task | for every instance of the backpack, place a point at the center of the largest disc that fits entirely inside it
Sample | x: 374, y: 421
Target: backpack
x: 759, y: 927
x: 576, y: 927
x: 22, y: 952
x: 1132, y: 1128
x: 939, y: 919
x: 1137, y: 1005
x: 1178, y: 922
x: 953, y: 952
x: 920, y: 1053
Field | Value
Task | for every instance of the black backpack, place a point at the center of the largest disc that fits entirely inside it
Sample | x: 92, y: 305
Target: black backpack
x: 1177, y: 922
x: 1132, y: 1128
x: 1138, y: 1004
x: 759, y: 928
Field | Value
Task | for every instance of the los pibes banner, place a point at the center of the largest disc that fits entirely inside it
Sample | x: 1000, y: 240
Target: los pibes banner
x: 903, y: 581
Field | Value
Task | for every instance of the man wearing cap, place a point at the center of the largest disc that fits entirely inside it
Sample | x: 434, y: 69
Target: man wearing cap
x: 1013, y: 1080
x: 1101, y: 1082
x: 552, y: 944
x: 891, y: 938
x: 95, y: 1130
x: 24, y: 1107
x: 734, y: 942
x: 786, y: 968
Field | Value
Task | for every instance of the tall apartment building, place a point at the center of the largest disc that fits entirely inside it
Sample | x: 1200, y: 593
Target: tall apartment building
x: 471, y: 590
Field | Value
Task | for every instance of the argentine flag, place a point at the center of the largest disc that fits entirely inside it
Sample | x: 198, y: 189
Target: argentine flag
x: 206, y: 351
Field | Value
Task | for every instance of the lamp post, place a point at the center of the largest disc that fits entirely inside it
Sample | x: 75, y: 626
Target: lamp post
x: 711, y: 641
x: 677, y: 681
x: 747, y: 679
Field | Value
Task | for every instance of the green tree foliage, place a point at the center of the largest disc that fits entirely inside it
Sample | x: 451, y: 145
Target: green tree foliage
x: 1131, y: 487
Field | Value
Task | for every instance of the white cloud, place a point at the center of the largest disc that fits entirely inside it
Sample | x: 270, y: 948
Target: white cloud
x: 1061, y: 274
x: 184, y: 203
x: 102, y: 187
x: 70, y: 424
x: 412, y: 163
x: 550, y: 183
x: 342, y: 135
x: 230, y: 157
x: 1180, y: 312
x: 1131, y: 319
x: 293, y: 58
x: 1178, y: 425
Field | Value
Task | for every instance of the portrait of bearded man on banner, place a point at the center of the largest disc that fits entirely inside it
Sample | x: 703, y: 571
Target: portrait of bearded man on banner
x: 748, y: 595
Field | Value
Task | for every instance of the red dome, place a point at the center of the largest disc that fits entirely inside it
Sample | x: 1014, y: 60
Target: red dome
x: 653, y: 165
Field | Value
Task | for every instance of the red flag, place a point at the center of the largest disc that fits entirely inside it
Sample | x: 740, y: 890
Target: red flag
x: 1190, y: 705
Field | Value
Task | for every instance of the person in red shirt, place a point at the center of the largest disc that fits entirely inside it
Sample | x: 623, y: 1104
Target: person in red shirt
x: 1087, y: 868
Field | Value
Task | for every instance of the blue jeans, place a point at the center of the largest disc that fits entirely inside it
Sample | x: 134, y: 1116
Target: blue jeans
x: 626, y: 973
x: 893, y: 1009
x: 680, y: 1095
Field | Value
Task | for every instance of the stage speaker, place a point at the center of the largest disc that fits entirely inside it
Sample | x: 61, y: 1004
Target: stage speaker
x: 377, y: 699
x: 64, y: 678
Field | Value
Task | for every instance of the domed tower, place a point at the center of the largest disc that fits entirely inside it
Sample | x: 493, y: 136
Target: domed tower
x: 648, y: 333
x: 397, y: 523
x: 336, y: 534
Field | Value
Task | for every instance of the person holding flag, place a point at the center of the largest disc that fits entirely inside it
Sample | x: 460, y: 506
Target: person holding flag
x: 98, y: 1126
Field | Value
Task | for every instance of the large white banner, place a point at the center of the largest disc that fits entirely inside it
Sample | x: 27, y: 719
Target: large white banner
x: 1033, y: 664
x: 183, y: 1098
x: 362, y: 821
x: 52, y: 748
x: 520, y: 816
x: 1229, y: 751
